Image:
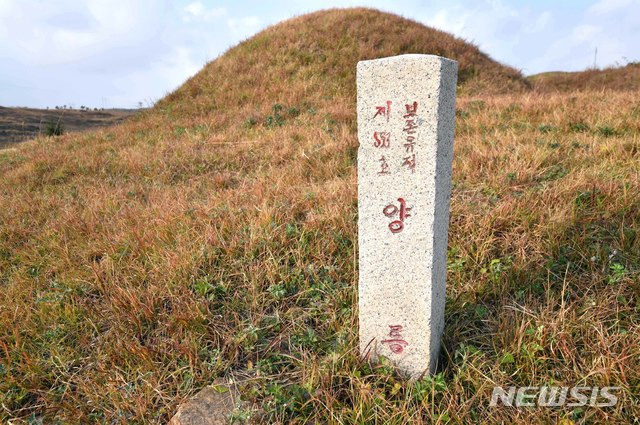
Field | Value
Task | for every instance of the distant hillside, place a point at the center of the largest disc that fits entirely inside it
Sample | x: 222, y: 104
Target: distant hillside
x: 17, y: 124
x: 622, y: 78
x: 313, y: 57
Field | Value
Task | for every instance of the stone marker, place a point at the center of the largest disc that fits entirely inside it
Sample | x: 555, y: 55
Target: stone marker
x: 406, y: 109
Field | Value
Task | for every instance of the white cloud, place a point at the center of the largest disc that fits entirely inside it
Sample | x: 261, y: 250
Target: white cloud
x: 540, y: 23
x: 583, y: 33
x: 169, y: 73
x: 453, y: 20
x: 116, y: 16
x: 608, y: 6
x: 41, y: 34
x: 245, y: 26
x: 197, y: 10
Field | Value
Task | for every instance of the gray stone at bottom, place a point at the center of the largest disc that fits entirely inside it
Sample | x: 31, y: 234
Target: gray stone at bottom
x: 209, y: 407
x: 406, y: 110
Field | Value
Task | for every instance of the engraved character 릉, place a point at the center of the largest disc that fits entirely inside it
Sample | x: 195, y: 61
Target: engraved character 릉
x: 397, y: 343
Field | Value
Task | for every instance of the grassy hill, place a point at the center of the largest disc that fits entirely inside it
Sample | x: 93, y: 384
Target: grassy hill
x: 625, y: 78
x: 215, y: 236
x: 312, y: 58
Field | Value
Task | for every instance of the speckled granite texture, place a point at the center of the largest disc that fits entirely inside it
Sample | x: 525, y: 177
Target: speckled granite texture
x: 406, y: 110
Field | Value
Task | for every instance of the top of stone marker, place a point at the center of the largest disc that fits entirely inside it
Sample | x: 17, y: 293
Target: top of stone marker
x: 416, y: 56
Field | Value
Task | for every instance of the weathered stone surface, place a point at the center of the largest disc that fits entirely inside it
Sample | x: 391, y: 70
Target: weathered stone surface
x: 406, y: 109
x: 213, y: 405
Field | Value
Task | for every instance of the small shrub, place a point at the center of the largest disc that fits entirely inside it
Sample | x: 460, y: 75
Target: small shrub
x: 252, y: 121
x: 54, y: 128
x: 578, y: 127
x: 278, y: 291
x: 277, y: 119
x: 546, y: 128
x: 606, y: 131
x: 554, y: 172
x: 617, y: 273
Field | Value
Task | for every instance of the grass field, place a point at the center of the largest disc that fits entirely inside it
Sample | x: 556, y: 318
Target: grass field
x: 215, y: 236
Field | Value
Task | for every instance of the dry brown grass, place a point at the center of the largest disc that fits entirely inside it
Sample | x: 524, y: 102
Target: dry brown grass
x: 215, y: 236
x: 624, y: 78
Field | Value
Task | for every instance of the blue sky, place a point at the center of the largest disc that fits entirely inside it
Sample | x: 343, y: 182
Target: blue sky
x: 117, y: 53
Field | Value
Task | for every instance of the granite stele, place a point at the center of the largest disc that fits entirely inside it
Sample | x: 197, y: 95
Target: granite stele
x: 406, y: 109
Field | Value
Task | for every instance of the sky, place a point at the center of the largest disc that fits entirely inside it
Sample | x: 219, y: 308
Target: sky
x: 127, y: 53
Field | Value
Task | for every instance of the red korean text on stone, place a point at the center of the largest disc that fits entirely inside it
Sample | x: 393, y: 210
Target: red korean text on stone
x: 396, y: 343
x: 401, y: 212
x: 410, y: 127
x: 384, y: 111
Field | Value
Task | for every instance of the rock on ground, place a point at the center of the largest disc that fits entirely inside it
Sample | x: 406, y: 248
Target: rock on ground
x: 213, y: 405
